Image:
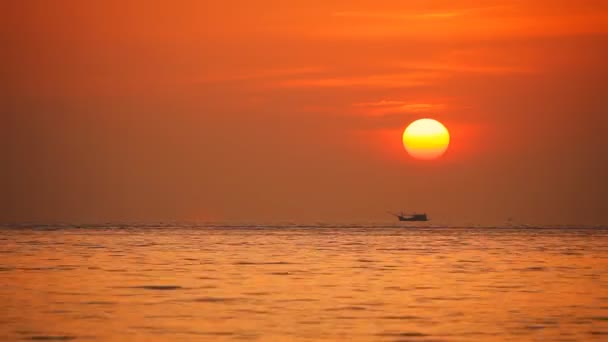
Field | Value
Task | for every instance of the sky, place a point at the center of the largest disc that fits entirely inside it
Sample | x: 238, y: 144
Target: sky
x: 292, y: 111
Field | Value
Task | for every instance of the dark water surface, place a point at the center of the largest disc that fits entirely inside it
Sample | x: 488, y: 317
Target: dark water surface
x: 303, y: 283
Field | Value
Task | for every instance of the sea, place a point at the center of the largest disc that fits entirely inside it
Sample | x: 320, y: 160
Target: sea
x: 318, y: 282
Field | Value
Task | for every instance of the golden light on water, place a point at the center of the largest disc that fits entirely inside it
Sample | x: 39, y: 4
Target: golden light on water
x: 426, y: 139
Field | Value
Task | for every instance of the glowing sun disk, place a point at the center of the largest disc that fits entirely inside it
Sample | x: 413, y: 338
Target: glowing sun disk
x: 426, y: 139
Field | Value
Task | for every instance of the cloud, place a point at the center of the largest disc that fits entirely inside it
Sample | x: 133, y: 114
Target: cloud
x: 383, y: 107
x: 413, y: 15
x: 388, y: 80
x: 451, y: 66
x: 397, y: 16
x: 399, y: 74
x: 494, y: 21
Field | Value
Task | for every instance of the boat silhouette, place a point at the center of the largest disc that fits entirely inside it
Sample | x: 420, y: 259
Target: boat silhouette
x: 411, y: 217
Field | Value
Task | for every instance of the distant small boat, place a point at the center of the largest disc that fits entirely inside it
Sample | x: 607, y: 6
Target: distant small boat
x: 411, y: 217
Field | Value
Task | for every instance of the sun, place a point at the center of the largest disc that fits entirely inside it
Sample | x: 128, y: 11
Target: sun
x: 426, y: 139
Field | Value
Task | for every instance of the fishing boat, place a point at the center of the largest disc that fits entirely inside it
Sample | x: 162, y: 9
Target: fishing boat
x: 411, y: 217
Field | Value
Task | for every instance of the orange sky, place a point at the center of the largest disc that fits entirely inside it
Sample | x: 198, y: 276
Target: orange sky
x: 293, y: 110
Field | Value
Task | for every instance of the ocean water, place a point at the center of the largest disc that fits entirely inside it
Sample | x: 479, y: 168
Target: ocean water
x: 303, y: 283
